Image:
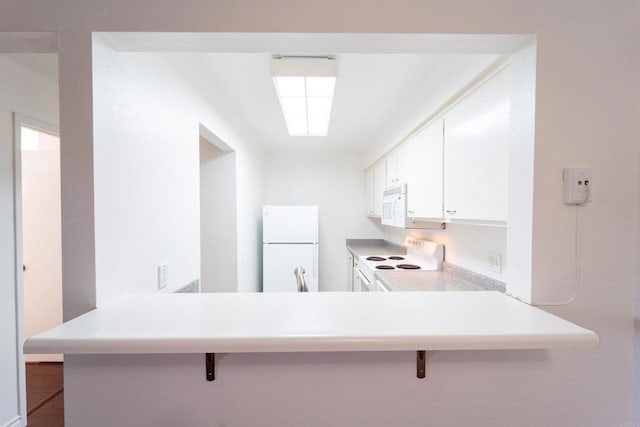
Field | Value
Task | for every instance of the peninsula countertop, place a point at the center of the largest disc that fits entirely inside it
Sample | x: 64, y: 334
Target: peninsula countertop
x: 310, y: 322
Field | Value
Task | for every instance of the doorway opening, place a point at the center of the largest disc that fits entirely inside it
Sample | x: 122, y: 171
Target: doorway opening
x: 218, y: 215
x: 37, y: 145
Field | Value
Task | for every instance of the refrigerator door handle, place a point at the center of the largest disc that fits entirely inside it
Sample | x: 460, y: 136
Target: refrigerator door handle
x: 315, y: 260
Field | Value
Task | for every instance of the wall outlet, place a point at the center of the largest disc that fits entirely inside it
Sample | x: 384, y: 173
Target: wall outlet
x: 163, y: 276
x: 495, y: 261
x: 575, y: 182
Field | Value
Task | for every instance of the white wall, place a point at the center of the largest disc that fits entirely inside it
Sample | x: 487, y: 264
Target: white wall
x: 250, y: 198
x: 146, y: 177
x: 333, y: 181
x: 586, y: 112
x: 28, y: 93
x: 521, y: 174
x: 218, y: 220
x: 148, y: 108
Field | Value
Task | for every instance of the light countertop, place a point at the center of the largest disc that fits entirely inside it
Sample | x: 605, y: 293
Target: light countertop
x: 310, y: 322
x: 423, y: 281
x: 359, y: 247
x: 449, y: 278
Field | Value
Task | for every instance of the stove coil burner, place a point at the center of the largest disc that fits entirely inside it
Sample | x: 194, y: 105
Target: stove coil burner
x: 408, y: 266
x: 396, y: 258
x: 376, y: 258
x: 385, y: 267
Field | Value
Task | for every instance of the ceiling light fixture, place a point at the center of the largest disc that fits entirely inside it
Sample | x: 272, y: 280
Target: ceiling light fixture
x: 305, y: 87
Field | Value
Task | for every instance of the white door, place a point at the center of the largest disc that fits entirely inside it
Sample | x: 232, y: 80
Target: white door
x: 290, y: 224
x: 41, y: 235
x: 279, y: 262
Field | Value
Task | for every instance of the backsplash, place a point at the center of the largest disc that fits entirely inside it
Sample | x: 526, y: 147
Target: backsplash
x: 466, y: 246
x: 478, y: 281
x: 191, y: 288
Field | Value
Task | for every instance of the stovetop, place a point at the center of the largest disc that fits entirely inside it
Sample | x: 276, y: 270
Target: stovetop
x: 409, y: 262
x: 421, y: 255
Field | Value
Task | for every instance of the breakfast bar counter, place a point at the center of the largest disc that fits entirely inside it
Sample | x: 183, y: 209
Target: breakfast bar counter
x: 310, y: 322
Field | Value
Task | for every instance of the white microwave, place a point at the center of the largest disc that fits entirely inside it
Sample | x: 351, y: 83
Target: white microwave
x: 394, y: 206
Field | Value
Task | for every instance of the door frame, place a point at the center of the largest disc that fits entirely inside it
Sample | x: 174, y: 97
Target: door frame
x: 20, y: 120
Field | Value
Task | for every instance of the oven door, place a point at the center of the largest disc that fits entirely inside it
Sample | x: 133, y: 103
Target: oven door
x: 380, y: 287
x: 362, y: 283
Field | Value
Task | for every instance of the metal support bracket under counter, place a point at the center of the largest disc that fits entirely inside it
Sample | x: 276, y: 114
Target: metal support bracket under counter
x: 281, y: 322
x: 210, y: 365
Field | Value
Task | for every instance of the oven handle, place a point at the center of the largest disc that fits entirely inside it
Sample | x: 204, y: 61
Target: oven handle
x: 381, y: 287
x: 364, y: 282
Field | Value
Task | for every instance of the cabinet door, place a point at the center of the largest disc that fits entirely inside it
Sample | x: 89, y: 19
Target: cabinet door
x: 425, y: 169
x: 378, y: 188
x: 396, y: 166
x: 476, y: 153
x: 402, y: 163
x: 391, y: 169
x: 369, y: 192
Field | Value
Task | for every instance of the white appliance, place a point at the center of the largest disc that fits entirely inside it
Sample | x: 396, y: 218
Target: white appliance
x: 394, y: 206
x: 289, y: 240
x: 421, y: 255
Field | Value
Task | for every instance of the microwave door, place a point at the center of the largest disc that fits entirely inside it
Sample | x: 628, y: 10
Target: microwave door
x: 387, y: 211
x: 399, y: 211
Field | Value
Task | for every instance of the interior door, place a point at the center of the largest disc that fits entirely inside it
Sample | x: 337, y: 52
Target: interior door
x: 41, y: 235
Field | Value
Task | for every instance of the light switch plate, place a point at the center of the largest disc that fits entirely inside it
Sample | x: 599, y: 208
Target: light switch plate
x: 495, y: 261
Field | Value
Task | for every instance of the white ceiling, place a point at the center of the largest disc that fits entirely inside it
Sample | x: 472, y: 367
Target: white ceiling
x: 372, y: 95
x: 387, y: 84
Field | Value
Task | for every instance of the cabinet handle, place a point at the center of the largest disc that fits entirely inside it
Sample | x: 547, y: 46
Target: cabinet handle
x: 410, y: 212
x: 451, y: 212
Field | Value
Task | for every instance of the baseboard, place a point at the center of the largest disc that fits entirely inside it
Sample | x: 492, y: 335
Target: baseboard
x: 14, y: 422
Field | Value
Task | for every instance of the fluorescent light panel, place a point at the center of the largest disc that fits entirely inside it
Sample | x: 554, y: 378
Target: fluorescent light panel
x: 305, y: 88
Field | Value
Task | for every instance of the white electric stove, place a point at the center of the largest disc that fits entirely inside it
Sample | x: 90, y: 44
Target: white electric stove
x: 421, y: 255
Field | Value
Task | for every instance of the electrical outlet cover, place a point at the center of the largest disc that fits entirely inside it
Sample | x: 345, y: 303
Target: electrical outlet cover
x: 495, y: 262
x: 163, y: 276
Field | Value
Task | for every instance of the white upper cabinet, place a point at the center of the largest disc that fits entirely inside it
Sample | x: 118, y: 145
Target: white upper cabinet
x: 476, y: 153
x: 396, y: 166
x: 369, y: 192
x: 378, y: 187
x: 457, y: 168
x: 424, y: 155
x: 374, y: 181
x: 402, y: 163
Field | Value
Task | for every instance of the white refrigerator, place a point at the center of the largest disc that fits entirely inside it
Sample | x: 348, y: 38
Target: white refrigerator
x: 289, y: 240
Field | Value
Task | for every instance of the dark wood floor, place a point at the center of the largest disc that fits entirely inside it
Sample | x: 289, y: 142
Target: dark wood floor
x: 45, y: 397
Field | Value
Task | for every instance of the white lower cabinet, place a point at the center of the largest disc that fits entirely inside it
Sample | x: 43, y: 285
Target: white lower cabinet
x: 476, y: 153
x: 424, y: 174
